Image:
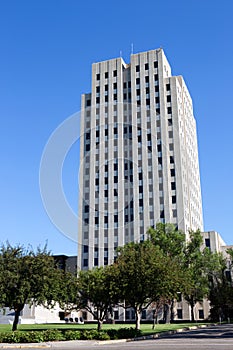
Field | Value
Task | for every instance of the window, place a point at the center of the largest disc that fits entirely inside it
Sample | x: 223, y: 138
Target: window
x: 115, y: 86
x: 168, y: 87
x: 173, y: 199
x: 88, y: 103
x: 85, y: 262
x: 173, y: 186
x: 156, y: 64
x: 97, y: 89
x: 174, y: 213
x: 201, y: 314
x: 115, y: 73
x: 116, y: 315
x: 171, y: 160
x: 85, y: 249
x: 170, y: 133
x: 106, y: 75
x: 169, y: 98
x: 169, y: 110
x: 137, y: 68
x: 98, y: 76
x: 137, y: 81
x: 97, y: 100
x: 179, y: 314
x: 147, y: 79
x: 146, y: 66
x: 172, y: 172
x: 156, y: 77
x: 207, y: 242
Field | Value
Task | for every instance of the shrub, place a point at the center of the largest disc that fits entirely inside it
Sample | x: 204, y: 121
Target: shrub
x: 72, y: 335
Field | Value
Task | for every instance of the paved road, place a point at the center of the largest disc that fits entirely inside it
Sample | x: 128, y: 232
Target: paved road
x: 213, y: 338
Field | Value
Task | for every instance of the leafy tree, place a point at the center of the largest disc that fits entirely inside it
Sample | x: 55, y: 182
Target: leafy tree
x: 168, y: 238
x: 96, y: 292
x: 143, y: 275
x: 221, y: 289
x: 27, y: 277
x: 172, y: 242
x: 200, y: 266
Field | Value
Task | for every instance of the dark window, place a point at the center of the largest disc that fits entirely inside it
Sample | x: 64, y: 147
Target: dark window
x: 106, y: 75
x: 137, y: 81
x: 156, y: 77
x: 86, y: 209
x: 207, y: 242
x: 159, y: 148
x: 116, y: 315
x: 169, y: 121
x: 85, y: 262
x: 114, y: 85
x: 125, y: 85
x: 97, y: 89
x: 146, y: 66
x: 173, y: 186
x: 162, y: 214
x: 85, y: 249
x: 174, y: 211
x: 169, y: 110
x: 115, y: 73
x: 88, y: 103
x: 147, y: 101
x: 160, y: 160
x: 171, y: 160
x: 97, y: 100
x: 106, y: 87
x: 168, y: 87
x: 96, y: 261
x: 172, y: 172
x: 98, y: 76
x: 129, y: 84
x: 96, y: 220
x: 179, y: 313
x: 173, y: 199
x: 201, y: 314
x: 156, y: 88
x: 137, y: 68
x: 169, y: 98
x: 106, y: 98
x: 147, y: 79
x: 170, y: 133
x: 87, y: 148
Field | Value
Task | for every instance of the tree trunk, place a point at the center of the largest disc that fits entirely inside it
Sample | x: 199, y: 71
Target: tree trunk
x: 99, y: 325
x: 192, y: 310
x: 17, y: 309
x: 172, y: 311
x: 138, y: 318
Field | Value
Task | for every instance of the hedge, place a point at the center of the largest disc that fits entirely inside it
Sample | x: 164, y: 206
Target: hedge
x: 57, y: 335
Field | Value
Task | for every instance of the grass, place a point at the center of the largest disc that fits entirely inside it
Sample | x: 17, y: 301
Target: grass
x: 145, y: 328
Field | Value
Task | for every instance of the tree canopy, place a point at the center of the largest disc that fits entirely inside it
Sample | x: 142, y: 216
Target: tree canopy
x: 28, y: 277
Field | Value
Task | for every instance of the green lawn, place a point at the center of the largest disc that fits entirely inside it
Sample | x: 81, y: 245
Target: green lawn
x: 145, y: 328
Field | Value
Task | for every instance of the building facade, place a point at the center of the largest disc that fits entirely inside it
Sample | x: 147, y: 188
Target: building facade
x: 138, y: 156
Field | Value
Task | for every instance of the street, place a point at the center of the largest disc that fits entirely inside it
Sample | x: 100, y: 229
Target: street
x: 211, y: 338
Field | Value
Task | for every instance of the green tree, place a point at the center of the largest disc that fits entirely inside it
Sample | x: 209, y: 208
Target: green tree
x: 96, y: 290
x: 221, y: 289
x: 143, y: 275
x: 200, y: 266
x: 27, y: 277
x: 172, y: 242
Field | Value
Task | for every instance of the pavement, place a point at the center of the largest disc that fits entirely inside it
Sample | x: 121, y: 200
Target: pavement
x: 77, y: 343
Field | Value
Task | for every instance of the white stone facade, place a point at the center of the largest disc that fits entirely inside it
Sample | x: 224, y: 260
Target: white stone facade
x: 138, y: 156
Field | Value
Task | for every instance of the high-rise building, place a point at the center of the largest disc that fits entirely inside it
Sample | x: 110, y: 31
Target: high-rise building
x: 138, y: 156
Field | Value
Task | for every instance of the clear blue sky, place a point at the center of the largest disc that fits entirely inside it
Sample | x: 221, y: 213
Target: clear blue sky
x: 46, y: 51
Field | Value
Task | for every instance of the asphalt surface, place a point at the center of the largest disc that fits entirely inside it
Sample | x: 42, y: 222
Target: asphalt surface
x: 211, y: 338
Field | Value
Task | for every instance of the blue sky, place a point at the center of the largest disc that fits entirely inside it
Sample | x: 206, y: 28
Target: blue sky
x: 46, y: 51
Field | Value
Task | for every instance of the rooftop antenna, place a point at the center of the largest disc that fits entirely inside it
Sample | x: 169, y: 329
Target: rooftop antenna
x: 132, y: 49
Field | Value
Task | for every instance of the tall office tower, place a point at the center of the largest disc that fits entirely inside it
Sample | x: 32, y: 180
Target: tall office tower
x: 138, y: 156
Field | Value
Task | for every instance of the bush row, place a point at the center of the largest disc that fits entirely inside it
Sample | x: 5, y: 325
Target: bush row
x: 57, y: 335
